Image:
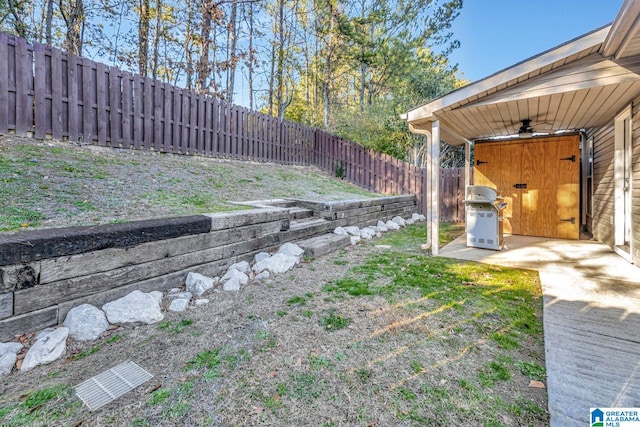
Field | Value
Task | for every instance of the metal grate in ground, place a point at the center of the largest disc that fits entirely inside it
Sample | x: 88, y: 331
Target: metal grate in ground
x: 106, y: 387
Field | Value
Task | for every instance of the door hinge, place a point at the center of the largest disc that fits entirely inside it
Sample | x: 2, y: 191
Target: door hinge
x: 480, y: 162
x: 520, y: 186
x: 572, y: 220
x: 572, y: 158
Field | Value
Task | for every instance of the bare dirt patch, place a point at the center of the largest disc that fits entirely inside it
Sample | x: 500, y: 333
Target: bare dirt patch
x: 377, y: 334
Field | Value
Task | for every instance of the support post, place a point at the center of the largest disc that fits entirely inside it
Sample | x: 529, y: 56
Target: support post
x: 433, y: 208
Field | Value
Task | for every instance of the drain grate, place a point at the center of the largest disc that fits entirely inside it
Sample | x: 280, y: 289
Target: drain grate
x: 106, y: 387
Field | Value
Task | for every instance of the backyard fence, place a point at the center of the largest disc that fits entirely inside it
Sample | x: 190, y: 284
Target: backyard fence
x: 51, y: 93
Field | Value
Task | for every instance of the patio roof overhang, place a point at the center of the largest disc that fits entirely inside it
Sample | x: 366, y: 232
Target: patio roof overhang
x: 580, y: 84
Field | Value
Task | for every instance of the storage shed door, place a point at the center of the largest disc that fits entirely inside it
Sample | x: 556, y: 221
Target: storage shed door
x: 539, y: 179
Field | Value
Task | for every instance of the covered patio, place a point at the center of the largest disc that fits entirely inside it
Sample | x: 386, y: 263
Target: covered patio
x: 587, y: 88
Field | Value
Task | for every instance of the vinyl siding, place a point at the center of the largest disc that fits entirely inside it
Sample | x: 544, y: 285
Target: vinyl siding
x: 603, y: 182
x: 635, y: 210
x: 603, y: 146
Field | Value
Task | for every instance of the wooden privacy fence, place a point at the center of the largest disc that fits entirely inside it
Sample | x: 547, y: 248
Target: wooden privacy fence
x: 48, y: 92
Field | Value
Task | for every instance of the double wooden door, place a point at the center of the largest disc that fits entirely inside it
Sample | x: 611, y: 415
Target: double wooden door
x: 539, y: 178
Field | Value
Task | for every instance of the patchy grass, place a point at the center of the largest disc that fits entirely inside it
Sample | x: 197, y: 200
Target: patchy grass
x: 334, y: 321
x: 391, y: 337
x: 57, y: 184
x: 45, y: 406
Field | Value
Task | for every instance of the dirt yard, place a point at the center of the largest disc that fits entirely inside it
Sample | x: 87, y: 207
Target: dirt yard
x: 379, y: 334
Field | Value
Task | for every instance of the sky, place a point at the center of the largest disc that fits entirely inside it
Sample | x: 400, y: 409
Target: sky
x: 495, y: 34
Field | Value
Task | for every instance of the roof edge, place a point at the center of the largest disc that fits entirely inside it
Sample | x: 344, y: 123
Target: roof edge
x: 569, y: 48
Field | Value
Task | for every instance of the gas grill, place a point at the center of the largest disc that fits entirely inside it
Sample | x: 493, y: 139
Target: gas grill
x: 484, y: 217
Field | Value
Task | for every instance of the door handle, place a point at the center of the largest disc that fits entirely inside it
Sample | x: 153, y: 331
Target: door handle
x: 520, y: 186
x: 571, y: 220
x: 480, y: 162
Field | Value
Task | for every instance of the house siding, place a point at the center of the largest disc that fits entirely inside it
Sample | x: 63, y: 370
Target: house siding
x: 603, y: 182
x: 603, y: 147
x: 635, y: 210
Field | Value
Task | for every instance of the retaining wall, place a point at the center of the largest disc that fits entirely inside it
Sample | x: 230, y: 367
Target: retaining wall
x: 45, y: 273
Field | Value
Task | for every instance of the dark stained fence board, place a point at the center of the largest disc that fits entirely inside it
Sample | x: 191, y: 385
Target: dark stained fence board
x: 101, y: 103
x: 56, y: 93
x: 167, y: 117
x: 158, y: 118
x: 23, y: 70
x: 40, y: 91
x: 177, y: 121
x: 4, y: 84
x: 127, y: 109
x: 147, y: 113
x: 73, y: 107
x: 138, y: 90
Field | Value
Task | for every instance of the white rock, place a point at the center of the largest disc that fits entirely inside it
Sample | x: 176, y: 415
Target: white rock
x: 137, y: 307
x: 198, y: 284
x: 278, y: 263
x: 418, y: 217
x: 6, y: 363
x: 290, y: 249
x: 340, y: 231
x: 86, y: 322
x: 231, y: 285
x: 367, y: 233
x: 10, y: 347
x: 399, y: 220
x: 174, y: 290
x: 262, y: 276
x: 242, y: 266
x: 392, y: 225
x: 47, y: 349
x: 261, y: 256
x: 157, y: 295
x: 181, y: 295
x: 410, y: 221
x: 43, y: 332
x: 179, y: 304
x: 382, y: 226
x: 202, y: 301
x: 352, y: 231
x: 355, y: 240
x: 8, y: 352
x: 242, y: 278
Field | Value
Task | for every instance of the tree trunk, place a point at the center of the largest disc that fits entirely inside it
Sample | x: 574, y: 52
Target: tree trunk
x: 156, y: 39
x: 233, y: 37
x: 48, y: 23
x: 143, y: 37
x: 280, y: 58
x: 271, y: 79
x: 202, y: 70
x: 250, y: 62
x: 74, y: 21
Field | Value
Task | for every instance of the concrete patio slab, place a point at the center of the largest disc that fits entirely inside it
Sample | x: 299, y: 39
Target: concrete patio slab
x: 591, y: 320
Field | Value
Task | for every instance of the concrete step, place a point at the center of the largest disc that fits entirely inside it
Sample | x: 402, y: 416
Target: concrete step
x: 320, y: 245
x: 296, y: 213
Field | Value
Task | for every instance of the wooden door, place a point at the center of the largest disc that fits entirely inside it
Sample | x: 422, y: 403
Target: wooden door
x: 497, y: 165
x: 539, y: 179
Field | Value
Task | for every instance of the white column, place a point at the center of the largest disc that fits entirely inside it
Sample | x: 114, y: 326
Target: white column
x: 433, y: 212
x: 467, y: 164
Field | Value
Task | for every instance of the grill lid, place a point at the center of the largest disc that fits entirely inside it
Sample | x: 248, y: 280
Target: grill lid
x: 481, y: 193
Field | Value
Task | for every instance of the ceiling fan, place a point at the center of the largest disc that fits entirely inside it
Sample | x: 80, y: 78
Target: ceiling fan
x: 526, y: 130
